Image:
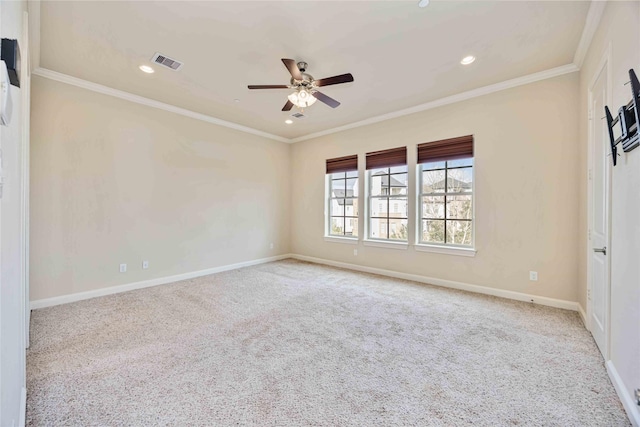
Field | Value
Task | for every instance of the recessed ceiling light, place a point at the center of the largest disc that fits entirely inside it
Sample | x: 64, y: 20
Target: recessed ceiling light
x: 236, y: 100
x: 468, y: 60
x: 146, y: 69
x: 423, y: 3
x: 288, y: 121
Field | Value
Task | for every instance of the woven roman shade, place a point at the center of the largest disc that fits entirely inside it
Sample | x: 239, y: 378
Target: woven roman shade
x: 387, y: 158
x: 342, y: 164
x: 446, y: 149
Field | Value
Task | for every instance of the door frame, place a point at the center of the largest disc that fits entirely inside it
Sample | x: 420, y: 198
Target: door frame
x: 603, y: 65
x: 25, y: 142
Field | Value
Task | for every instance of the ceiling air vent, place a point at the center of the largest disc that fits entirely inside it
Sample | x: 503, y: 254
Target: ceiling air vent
x: 298, y: 115
x: 161, y: 59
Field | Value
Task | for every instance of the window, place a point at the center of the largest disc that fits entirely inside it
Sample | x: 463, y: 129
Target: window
x: 446, y: 192
x: 342, y: 196
x: 387, y: 210
x: 388, y: 203
x: 343, y: 204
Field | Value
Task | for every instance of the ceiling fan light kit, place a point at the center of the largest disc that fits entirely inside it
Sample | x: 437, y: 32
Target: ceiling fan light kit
x: 302, y: 98
x: 305, y: 87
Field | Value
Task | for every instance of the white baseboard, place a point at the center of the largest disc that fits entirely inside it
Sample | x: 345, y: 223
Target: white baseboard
x: 23, y: 407
x: 551, y: 302
x: 64, y: 299
x: 583, y: 316
x: 633, y: 410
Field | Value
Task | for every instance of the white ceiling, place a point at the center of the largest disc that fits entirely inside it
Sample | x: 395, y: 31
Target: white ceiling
x: 400, y: 55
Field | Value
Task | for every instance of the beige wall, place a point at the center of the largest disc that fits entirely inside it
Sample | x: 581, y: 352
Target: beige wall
x: 619, y: 31
x: 526, y: 179
x: 116, y: 182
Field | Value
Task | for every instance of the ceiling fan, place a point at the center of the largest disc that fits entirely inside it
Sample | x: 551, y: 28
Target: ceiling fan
x: 305, y: 86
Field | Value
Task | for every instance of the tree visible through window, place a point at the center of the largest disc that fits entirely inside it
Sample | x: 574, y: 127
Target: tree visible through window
x: 446, y: 202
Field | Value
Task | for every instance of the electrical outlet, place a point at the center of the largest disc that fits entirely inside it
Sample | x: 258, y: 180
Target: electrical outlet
x: 533, y: 276
x: 145, y: 265
x: 271, y: 246
x: 123, y: 268
x: 355, y: 252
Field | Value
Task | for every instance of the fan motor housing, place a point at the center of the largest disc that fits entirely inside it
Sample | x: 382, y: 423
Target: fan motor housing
x: 306, y: 82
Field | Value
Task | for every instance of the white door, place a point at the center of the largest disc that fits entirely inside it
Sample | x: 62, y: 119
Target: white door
x: 599, y: 184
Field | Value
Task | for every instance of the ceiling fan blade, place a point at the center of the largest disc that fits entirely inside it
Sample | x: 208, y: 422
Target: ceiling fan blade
x: 293, y: 68
x: 287, y: 106
x: 335, y: 80
x: 326, y: 99
x: 268, y: 87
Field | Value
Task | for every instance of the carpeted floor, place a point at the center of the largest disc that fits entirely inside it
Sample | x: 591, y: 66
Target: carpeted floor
x: 296, y: 344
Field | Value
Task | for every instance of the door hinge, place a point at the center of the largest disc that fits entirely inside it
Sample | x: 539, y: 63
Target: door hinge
x: 588, y: 294
x: 589, y: 234
x: 590, y: 174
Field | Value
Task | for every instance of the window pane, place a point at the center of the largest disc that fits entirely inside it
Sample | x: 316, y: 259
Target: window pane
x: 460, y: 180
x: 459, y: 232
x: 337, y: 226
x: 378, y: 228
x: 337, y: 207
x: 459, y: 207
x: 351, y: 226
x: 432, y: 231
x: 352, y: 174
x: 432, y: 165
x: 433, y: 181
x: 337, y: 184
x: 337, y: 175
x: 378, y: 207
x: 337, y: 187
x: 379, y: 182
x: 398, y: 229
x: 461, y: 162
x: 398, y: 184
x: 352, y: 187
x: 398, y: 169
x: 398, y: 208
x: 351, y: 207
x: 433, y: 207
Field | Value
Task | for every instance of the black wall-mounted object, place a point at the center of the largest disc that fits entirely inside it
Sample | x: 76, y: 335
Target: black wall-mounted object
x: 612, y: 138
x: 10, y: 52
x: 632, y: 114
x: 623, y: 129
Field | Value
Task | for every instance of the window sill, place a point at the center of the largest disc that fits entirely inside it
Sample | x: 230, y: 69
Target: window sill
x: 469, y: 252
x: 386, y: 244
x: 347, y: 240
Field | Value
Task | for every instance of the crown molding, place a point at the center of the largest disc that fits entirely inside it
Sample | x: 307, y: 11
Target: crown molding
x: 596, y: 9
x: 105, y: 90
x: 486, y: 90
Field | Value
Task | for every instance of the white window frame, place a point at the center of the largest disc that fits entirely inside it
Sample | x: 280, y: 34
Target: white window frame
x: 377, y: 241
x: 445, y: 248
